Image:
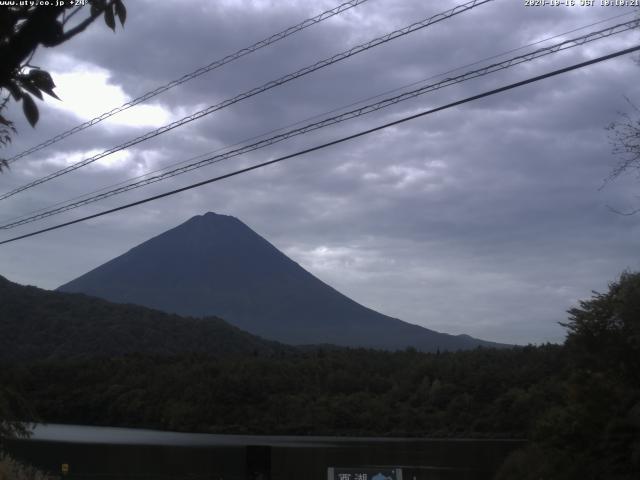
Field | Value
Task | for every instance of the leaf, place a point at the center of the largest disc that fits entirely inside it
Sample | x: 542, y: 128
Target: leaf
x: 121, y: 11
x: 43, y: 81
x: 28, y: 86
x: 30, y: 109
x: 15, y: 90
x: 97, y: 6
x: 51, y: 93
x: 109, y: 18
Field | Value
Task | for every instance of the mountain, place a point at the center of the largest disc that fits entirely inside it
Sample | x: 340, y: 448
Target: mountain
x: 38, y: 324
x: 216, y: 265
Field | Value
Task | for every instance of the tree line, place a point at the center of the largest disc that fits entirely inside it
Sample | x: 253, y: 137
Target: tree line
x: 578, y: 404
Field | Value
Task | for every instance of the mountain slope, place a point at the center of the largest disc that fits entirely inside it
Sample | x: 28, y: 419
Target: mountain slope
x: 216, y: 265
x: 38, y: 324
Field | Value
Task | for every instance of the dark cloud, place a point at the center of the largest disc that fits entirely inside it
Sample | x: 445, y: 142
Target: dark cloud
x: 486, y: 219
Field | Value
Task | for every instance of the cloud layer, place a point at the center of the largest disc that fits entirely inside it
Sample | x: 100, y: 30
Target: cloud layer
x: 486, y: 219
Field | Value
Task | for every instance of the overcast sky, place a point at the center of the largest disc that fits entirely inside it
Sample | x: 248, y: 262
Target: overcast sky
x: 487, y: 219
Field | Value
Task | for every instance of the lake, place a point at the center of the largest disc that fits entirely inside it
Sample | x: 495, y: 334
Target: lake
x: 105, y: 453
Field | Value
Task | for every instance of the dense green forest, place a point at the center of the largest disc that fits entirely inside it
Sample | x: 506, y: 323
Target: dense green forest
x: 346, y: 392
x: 41, y: 324
x: 577, y: 403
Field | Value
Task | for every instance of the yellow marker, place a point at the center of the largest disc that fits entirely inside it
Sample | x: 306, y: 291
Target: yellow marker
x: 65, y: 468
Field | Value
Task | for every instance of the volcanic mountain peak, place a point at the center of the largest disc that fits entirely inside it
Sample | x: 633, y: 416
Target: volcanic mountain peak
x: 216, y: 265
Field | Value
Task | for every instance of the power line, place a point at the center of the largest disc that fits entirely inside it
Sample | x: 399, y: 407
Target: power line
x: 589, y: 37
x: 477, y: 62
x: 333, y: 120
x: 334, y: 142
x: 255, y: 91
x: 313, y: 117
x: 196, y: 73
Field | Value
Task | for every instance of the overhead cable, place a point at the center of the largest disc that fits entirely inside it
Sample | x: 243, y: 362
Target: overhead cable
x: 194, y: 74
x: 320, y: 115
x: 255, y: 91
x: 334, y: 142
x: 589, y: 37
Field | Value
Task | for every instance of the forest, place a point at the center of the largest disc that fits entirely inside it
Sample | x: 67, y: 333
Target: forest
x: 578, y: 403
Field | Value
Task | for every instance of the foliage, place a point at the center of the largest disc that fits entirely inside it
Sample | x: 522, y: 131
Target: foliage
x: 578, y: 404
x: 625, y: 139
x: 14, y: 408
x: 593, y: 431
x: 11, y: 469
x: 624, y: 136
x: 605, y: 331
x: 13, y: 412
x: 480, y: 393
x: 6, y: 130
x: 23, y: 28
x: 39, y: 324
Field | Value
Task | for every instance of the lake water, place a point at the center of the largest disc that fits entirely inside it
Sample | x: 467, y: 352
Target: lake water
x: 101, y: 453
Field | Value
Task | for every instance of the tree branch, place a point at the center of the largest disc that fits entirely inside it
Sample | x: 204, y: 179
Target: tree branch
x: 81, y: 26
x: 68, y: 17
